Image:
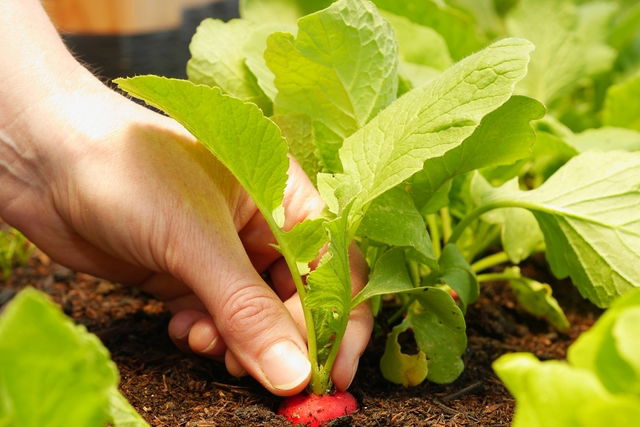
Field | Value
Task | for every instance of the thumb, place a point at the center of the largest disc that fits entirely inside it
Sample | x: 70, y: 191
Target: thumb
x: 251, y: 319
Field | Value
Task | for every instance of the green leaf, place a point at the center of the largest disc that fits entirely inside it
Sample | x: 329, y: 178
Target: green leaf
x: 122, y: 413
x: 253, y: 51
x: 230, y: 129
x: 440, y: 333
x: 297, y: 129
x: 568, y: 49
x: 606, y: 139
x: 588, y: 213
x: 599, y: 385
x: 418, y: 44
x: 400, y: 368
x: 389, y: 276
x: 52, y: 372
x: 218, y: 59
x: 393, y: 219
x: 607, y: 349
x: 305, y: 239
x: 329, y: 290
x: 456, y: 272
x: 426, y: 123
x: 279, y: 11
x: 622, y: 105
x: 454, y: 25
x: 503, y: 137
x: 340, y: 70
x: 537, y: 298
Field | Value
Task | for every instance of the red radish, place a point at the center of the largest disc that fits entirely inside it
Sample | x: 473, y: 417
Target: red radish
x: 317, y: 411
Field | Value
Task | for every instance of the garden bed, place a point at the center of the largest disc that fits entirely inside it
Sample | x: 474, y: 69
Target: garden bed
x: 173, y: 389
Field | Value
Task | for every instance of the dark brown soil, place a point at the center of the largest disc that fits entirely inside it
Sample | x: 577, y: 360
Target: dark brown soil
x: 173, y: 389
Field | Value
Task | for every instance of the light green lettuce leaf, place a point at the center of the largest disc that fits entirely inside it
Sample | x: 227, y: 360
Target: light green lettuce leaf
x: 218, y: 59
x: 297, y: 129
x: 425, y: 123
x: 52, y: 372
x: 456, y: 26
x: 569, y: 46
x: 588, y: 211
x: 122, y: 413
x: 279, y: 11
x: 229, y: 128
x: 622, y: 105
x: 340, y: 70
x: 305, y: 239
x: 393, y: 219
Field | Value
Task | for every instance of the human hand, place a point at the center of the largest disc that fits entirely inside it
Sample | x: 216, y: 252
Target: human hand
x: 128, y: 195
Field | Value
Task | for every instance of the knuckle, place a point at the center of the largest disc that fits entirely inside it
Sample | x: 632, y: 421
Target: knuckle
x: 249, y: 309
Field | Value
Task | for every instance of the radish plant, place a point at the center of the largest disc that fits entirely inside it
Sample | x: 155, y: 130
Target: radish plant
x: 422, y: 152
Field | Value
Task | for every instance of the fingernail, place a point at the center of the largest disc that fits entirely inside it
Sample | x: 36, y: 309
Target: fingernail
x: 285, y: 366
x: 353, y: 372
x: 211, y: 345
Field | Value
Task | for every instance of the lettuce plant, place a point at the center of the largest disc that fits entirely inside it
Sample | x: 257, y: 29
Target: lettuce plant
x: 599, y: 384
x: 53, y: 372
x: 425, y: 154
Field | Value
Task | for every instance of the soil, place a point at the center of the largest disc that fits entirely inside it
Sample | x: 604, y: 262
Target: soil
x: 170, y: 388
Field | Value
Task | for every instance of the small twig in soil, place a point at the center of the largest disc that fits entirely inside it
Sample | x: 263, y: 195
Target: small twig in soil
x: 462, y: 391
x: 453, y: 412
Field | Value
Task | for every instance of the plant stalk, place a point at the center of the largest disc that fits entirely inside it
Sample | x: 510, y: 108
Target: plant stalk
x: 490, y: 261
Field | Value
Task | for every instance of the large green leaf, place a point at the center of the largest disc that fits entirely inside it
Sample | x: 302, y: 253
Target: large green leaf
x: 218, y: 59
x: 340, y: 70
x: 606, y: 139
x: 425, y: 123
x: 456, y: 26
x: 401, y: 368
x: 297, y: 129
x: 622, y: 105
x: 503, y: 137
x: 570, y: 45
x: 279, y: 11
x: 236, y: 132
x: 52, y: 372
x: 588, y: 212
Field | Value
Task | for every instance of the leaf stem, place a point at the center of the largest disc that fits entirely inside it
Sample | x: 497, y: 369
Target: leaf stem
x: 445, y: 218
x: 434, y: 231
x: 490, y: 261
x: 495, y: 277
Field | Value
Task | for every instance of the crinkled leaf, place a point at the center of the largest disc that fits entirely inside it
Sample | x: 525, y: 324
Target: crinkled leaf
x: 329, y: 289
x: 537, y: 298
x: 456, y: 26
x: 218, y: 59
x: 622, y: 105
x: 393, y: 219
x: 588, y: 212
x: 503, y: 137
x: 297, y: 129
x: 389, y: 276
x: 439, y: 331
x: 426, y: 123
x: 340, y: 70
x: 401, y: 368
x: 253, y: 51
x: 605, y: 351
x: 52, y: 372
x: 606, y: 139
x: 236, y: 132
x: 567, y: 49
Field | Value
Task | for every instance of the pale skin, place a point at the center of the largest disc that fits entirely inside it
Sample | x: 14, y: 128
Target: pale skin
x: 107, y: 187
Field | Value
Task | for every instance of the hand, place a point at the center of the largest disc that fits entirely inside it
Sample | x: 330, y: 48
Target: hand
x: 123, y: 193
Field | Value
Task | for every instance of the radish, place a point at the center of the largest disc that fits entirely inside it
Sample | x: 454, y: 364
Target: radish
x: 316, y: 411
